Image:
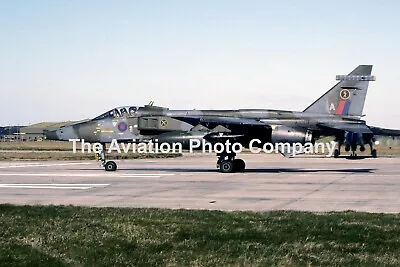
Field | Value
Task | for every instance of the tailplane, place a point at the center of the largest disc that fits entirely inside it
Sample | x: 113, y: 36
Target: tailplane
x: 347, y: 97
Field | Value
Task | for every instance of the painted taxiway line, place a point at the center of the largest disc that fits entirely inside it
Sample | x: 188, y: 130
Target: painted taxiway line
x: 44, y: 165
x: 113, y: 175
x: 47, y: 187
x: 57, y: 184
x: 148, y: 174
x: 53, y: 186
x: 140, y: 176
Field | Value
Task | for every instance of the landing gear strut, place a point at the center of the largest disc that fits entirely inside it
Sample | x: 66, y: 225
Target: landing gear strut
x: 353, y: 154
x: 373, y: 151
x: 109, y: 166
x: 336, y: 153
x: 353, y: 151
x: 227, y: 163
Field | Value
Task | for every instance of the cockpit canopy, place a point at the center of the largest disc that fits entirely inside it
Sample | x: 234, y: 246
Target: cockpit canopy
x: 118, y: 112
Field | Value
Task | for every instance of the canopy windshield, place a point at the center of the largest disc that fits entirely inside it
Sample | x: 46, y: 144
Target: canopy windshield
x: 118, y: 112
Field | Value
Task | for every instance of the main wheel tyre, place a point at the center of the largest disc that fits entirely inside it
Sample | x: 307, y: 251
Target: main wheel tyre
x: 336, y: 154
x: 110, y: 166
x: 239, y: 165
x: 226, y: 166
x: 374, y: 154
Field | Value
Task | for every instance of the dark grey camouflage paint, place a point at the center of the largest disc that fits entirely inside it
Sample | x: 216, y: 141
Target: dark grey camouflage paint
x: 338, y: 111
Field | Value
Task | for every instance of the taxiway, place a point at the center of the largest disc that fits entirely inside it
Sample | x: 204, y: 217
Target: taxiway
x: 271, y: 182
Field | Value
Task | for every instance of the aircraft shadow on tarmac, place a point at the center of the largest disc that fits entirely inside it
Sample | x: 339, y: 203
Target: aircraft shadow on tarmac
x: 366, y: 157
x: 263, y: 170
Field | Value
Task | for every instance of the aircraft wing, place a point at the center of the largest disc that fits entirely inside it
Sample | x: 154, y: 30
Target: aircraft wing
x: 223, y: 128
x: 349, y: 127
x: 233, y: 121
x: 385, y: 132
x: 224, y: 120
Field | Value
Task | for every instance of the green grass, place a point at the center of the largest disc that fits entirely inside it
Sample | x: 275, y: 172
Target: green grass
x: 55, y: 150
x: 37, y: 145
x: 77, y: 236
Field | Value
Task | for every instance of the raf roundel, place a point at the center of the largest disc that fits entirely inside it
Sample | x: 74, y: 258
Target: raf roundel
x: 122, y: 126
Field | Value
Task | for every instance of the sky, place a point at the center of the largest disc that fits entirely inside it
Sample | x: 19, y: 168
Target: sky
x: 71, y: 60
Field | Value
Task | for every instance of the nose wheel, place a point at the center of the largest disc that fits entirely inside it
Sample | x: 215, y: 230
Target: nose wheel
x: 110, y: 166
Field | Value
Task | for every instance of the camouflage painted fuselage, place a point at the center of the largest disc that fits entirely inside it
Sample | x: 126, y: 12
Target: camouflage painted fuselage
x: 151, y: 122
x: 336, y: 113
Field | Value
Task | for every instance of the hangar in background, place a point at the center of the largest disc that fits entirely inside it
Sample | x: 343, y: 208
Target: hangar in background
x: 10, y: 133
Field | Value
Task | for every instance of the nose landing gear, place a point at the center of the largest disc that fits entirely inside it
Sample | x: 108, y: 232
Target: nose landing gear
x: 109, y: 166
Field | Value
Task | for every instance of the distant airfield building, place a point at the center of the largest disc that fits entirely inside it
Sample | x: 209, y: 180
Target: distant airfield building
x: 9, y: 133
x: 35, y: 132
x: 388, y: 140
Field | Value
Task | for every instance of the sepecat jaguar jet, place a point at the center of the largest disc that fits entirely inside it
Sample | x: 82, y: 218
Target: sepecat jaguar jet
x: 336, y: 113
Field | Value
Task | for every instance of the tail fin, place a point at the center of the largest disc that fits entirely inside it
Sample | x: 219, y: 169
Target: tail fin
x: 347, y: 97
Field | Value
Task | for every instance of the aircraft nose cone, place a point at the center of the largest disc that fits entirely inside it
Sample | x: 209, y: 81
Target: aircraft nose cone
x: 66, y: 133
x: 51, y: 135
x: 61, y: 134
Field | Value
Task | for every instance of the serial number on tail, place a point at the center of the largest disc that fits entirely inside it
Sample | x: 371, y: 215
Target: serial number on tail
x: 355, y: 77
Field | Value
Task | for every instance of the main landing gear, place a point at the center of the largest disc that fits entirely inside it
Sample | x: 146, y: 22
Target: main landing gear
x: 227, y: 163
x: 353, y: 150
x: 353, y: 154
x: 336, y: 153
x: 374, y: 154
x: 109, y: 166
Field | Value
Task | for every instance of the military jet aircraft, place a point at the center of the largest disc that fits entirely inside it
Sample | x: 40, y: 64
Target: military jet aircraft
x: 338, y: 113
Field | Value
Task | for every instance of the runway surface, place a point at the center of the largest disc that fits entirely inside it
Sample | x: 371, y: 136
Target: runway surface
x: 271, y: 182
